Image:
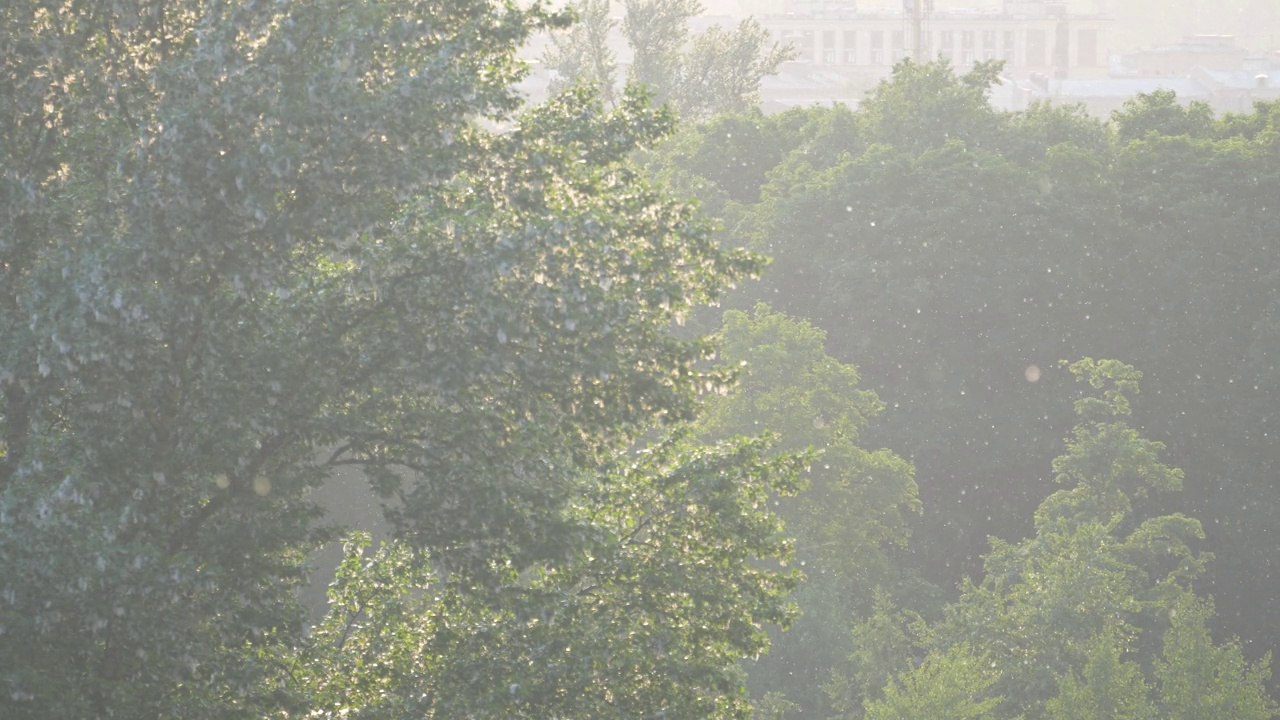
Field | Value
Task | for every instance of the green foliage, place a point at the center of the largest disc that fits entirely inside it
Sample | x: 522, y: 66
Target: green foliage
x: 955, y: 685
x: 1058, y: 612
x: 1109, y: 687
x: 855, y: 510
x: 1199, y: 679
x: 884, y: 646
x: 1250, y: 125
x: 1045, y: 126
x: 727, y: 160
x: 1106, y: 463
x: 1092, y: 576
x: 954, y: 253
x: 648, y: 619
x: 1159, y: 112
x: 923, y: 106
x: 858, y: 500
x: 581, y: 53
x: 722, y: 69
x: 247, y: 245
x: 657, y: 31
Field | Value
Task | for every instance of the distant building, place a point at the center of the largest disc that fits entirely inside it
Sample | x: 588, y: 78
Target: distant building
x: 1030, y: 36
x: 1213, y: 52
x: 1258, y: 78
x: 1101, y: 96
x: 1048, y: 51
x: 1234, y: 90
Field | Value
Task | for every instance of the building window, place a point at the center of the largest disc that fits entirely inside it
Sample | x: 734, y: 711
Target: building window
x: 877, y: 47
x: 899, y: 45
x: 828, y: 47
x: 1009, y: 47
x: 988, y: 44
x: 966, y: 46
x: 851, y: 47
x: 947, y: 44
x: 1087, y: 48
x: 1036, y: 50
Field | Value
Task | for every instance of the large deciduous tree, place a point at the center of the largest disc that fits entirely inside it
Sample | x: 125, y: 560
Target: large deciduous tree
x: 246, y: 244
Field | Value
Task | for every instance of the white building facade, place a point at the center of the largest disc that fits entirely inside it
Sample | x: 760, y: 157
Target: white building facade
x: 1030, y: 36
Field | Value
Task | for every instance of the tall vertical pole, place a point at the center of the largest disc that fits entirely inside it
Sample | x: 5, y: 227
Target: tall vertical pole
x: 919, y: 12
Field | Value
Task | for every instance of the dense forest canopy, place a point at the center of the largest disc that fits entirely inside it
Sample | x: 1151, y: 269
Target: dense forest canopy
x: 248, y: 246
x: 956, y: 254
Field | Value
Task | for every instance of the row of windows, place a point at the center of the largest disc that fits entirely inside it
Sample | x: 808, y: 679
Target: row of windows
x: 959, y: 46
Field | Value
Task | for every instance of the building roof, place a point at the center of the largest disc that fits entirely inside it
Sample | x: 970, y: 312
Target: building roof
x: 1125, y: 87
x: 1246, y: 79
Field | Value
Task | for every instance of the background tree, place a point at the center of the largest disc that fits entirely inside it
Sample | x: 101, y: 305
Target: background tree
x: 954, y: 254
x: 851, y: 520
x: 1108, y: 686
x: 722, y: 69
x: 658, y: 31
x: 1056, y: 612
x: 1200, y: 679
x: 716, y: 71
x: 581, y: 52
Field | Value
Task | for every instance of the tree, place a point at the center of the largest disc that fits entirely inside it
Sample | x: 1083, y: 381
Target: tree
x: 647, y: 619
x: 581, y: 53
x: 1109, y: 687
x: 716, y: 71
x: 722, y: 69
x: 1159, y: 112
x: 1055, y: 612
x: 926, y: 105
x: 955, y: 685
x: 1092, y: 568
x: 657, y: 31
x: 953, y: 253
x: 1199, y: 679
x: 852, y: 516
x: 885, y: 646
x: 247, y: 244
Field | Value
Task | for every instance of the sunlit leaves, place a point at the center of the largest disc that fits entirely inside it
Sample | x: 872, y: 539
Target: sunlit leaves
x: 247, y: 244
x: 955, y: 685
x: 647, y: 618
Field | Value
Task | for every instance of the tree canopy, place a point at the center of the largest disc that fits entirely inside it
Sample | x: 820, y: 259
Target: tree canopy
x: 955, y: 253
x: 248, y: 244
x: 1060, y: 614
